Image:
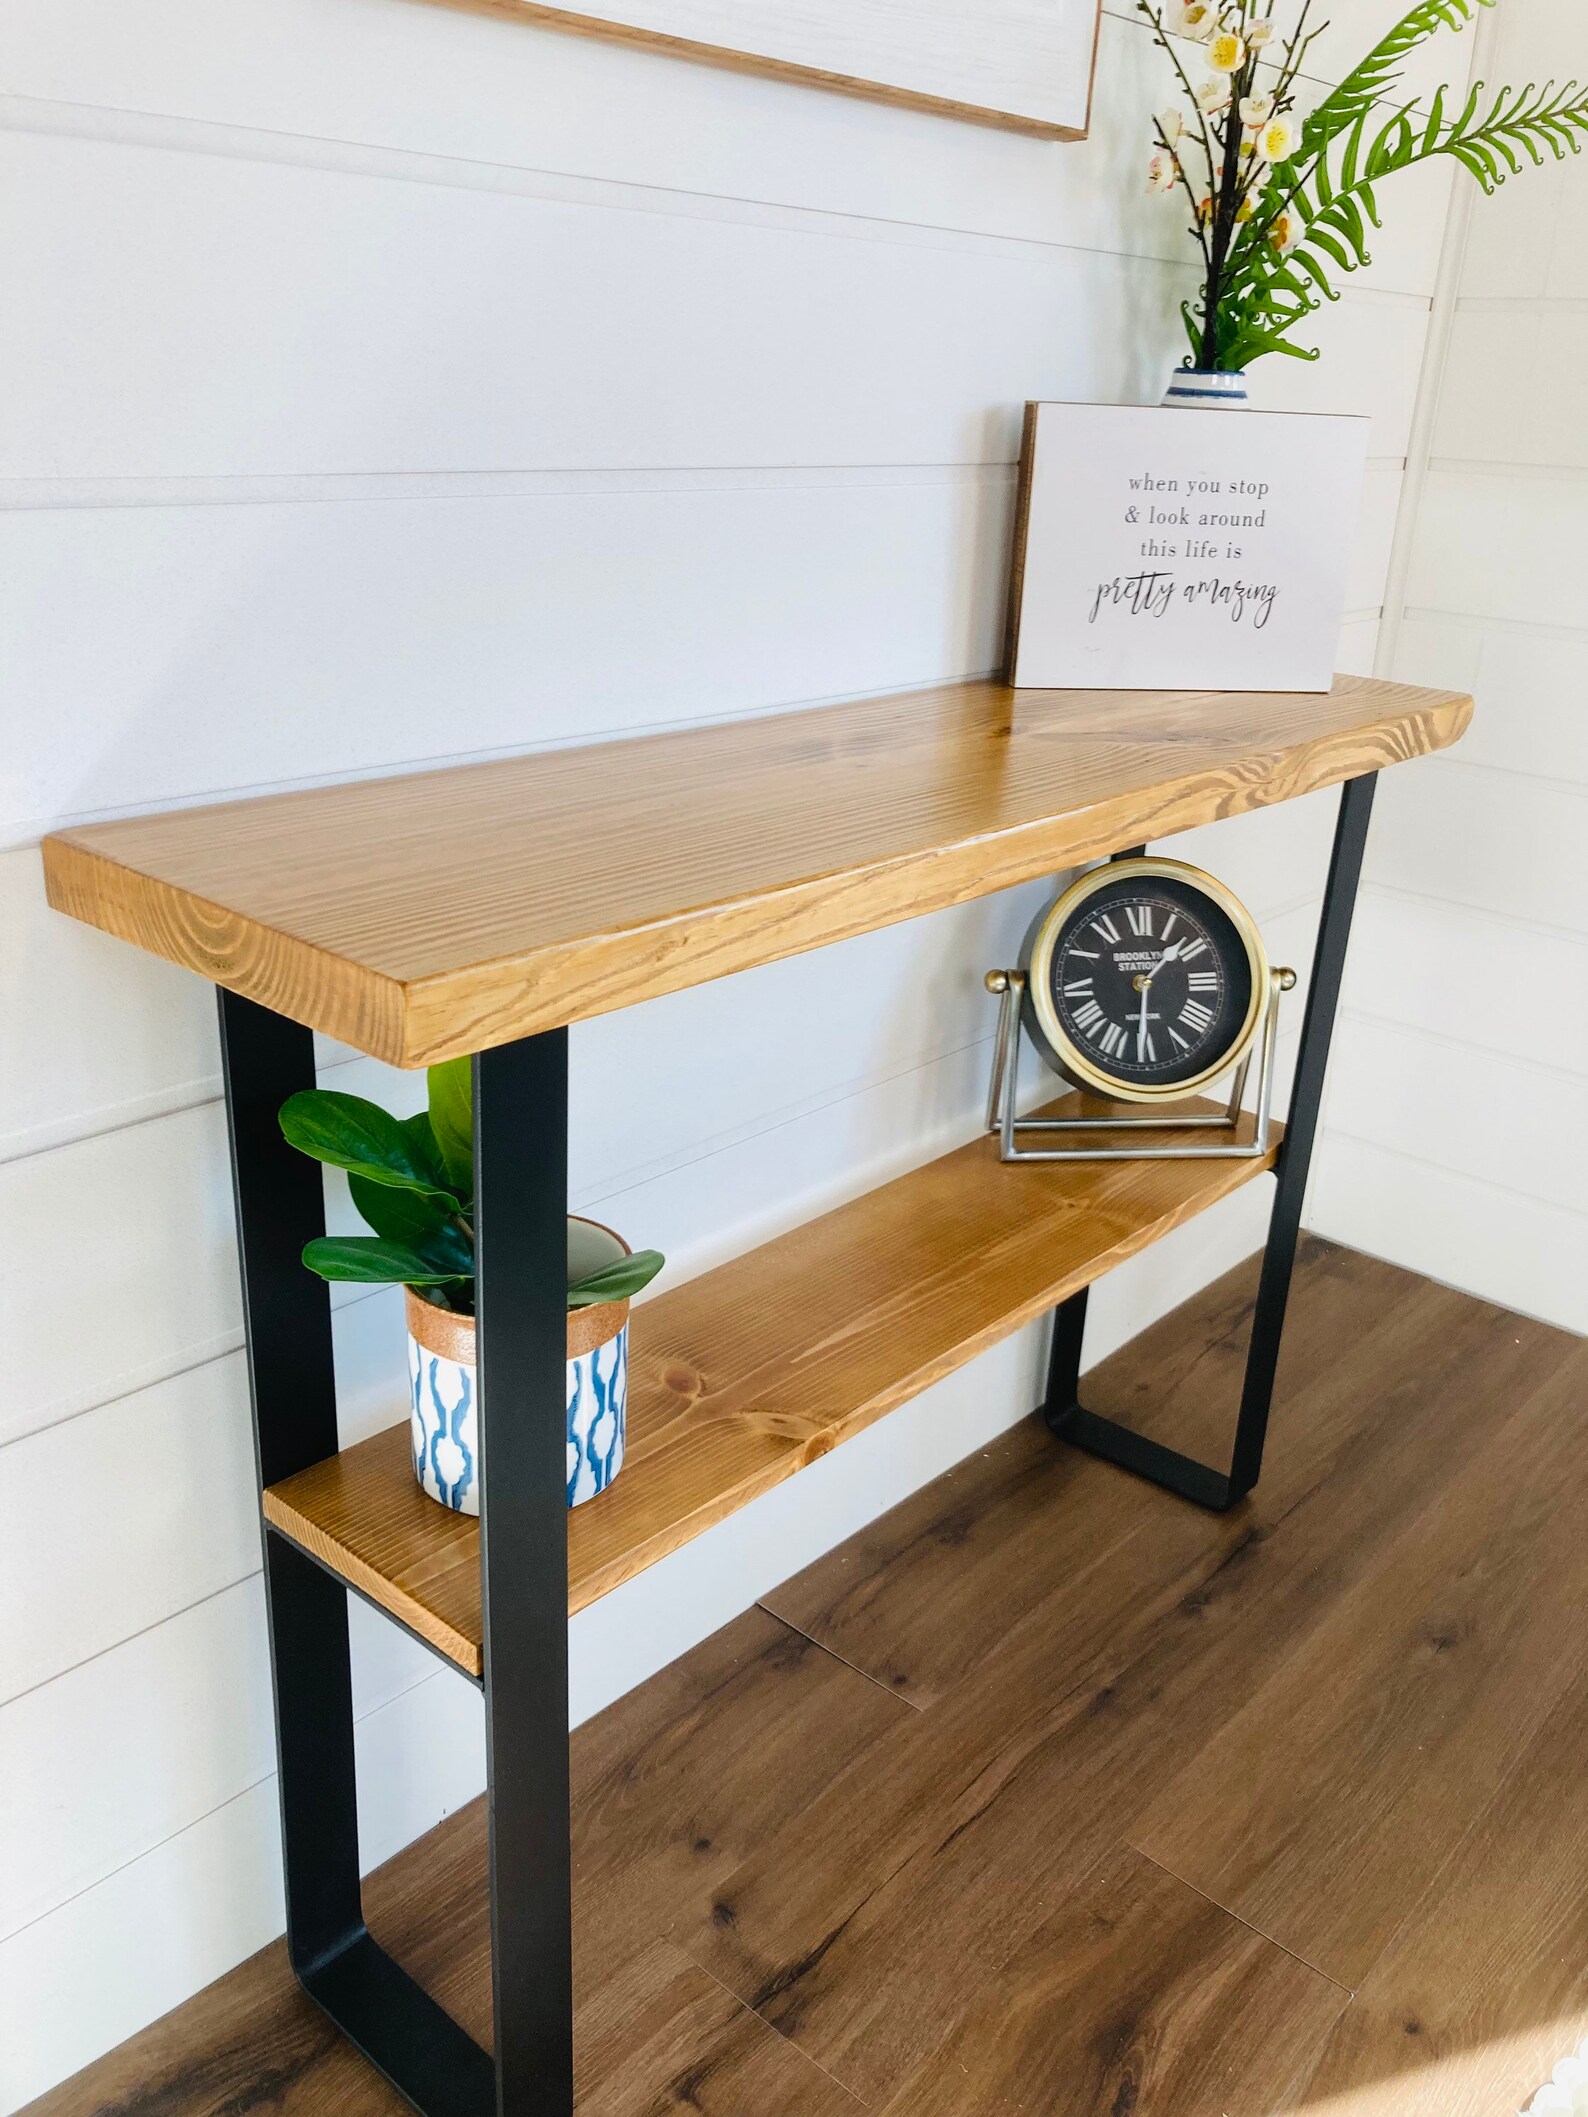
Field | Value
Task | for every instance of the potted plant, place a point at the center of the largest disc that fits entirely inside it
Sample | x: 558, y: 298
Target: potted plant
x: 1281, y: 206
x: 412, y: 1180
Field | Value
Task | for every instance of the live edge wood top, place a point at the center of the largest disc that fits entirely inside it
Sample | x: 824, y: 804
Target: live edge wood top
x: 744, y: 1376
x: 422, y: 917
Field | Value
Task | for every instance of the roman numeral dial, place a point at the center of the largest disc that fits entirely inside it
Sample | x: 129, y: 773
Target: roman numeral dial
x: 1149, y: 979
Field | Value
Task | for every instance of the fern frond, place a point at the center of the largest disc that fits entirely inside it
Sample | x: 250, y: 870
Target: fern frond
x: 1376, y: 78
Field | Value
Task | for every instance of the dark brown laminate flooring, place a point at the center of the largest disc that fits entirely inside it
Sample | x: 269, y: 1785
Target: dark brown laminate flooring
x: 1051, y: 1794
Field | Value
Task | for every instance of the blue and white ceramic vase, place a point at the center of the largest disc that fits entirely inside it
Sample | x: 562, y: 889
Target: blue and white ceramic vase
x: 444, y: 1399
x: 1202, y: 387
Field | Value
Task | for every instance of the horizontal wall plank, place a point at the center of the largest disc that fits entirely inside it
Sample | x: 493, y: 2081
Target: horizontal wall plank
x: 124, y: 1037
x: 255, y: 638
x: 1501, y: 545
x: 513, y: 95
x: 145, y: 1506
x: 137, y: 1223
x: 1496, y: 841
x: 1509, y: 395
x: 320, y: 626
x: 1417, y: 1091
x: 131, y: 1514
x: 1513, y: 1249
x: 1411, y: 964
x: 242, y: 270
x: 1529, y: 684
x: 189, y: 1701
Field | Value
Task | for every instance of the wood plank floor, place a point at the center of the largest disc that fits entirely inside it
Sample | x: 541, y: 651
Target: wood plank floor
x: 1050, y: 1794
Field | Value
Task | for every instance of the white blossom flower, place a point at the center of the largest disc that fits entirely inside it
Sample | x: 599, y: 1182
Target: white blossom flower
x: 1192, y: 18
x: 1277, y: 139
x: 1284, y: 230
x: 1258, y: 34
x: 1162, y: 171
x: 1214, y: 96
x: 1171, y: 124
x: 1226, y: 53
x: 1256, y: 112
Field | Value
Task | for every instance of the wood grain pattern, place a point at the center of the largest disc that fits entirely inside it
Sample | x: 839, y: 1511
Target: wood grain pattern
x: 423, y: 917
x: 1005, y: 99
x: 742, y: 1377
x: 1137, y: 1994
x: 1453, y: 1666
x: 1484, y: 1986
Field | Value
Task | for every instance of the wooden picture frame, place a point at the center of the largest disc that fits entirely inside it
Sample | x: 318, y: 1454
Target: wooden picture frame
x: 1025, y: 65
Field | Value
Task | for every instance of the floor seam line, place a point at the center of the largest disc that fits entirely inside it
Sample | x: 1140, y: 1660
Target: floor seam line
x: 832, y: 1654
x: 1230, y: 1912
x: 810, y: 2059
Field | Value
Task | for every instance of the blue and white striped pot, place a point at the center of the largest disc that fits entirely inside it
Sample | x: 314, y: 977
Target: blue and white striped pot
x: 444, y: 1399
x: 1191, y: 387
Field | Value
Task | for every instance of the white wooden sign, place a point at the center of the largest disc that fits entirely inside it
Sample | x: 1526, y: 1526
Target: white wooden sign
x: 1026, y: 64
x: 1179, y: 549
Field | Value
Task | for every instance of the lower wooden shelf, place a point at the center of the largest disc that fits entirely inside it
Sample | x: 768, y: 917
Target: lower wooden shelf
x: 745, y: 1375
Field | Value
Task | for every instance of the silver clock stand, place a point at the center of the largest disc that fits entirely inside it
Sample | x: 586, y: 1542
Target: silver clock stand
x: 1010, y: 985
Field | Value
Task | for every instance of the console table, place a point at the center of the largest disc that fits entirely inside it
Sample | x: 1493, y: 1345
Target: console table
x: 482, y: 909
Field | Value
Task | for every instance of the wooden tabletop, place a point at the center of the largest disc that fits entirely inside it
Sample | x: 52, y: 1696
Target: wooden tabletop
x: 442, y: 912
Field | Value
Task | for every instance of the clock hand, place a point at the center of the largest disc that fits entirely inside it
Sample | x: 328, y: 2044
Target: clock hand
x: 1141, y: 1026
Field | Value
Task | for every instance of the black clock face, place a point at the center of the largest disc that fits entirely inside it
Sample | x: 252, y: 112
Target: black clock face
x: 1151, y: 981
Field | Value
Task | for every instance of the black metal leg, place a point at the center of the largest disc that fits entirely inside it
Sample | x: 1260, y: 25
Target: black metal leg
x: 287, y: 1316
x: 521, y: 1192
x: 1118, y: 1444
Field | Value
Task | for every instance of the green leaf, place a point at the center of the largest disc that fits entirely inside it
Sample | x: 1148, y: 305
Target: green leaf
x: 616, y: 1282
x: 397, y: 1216
x: 359, y: 1136
x: 372, y: 1262
x: 1375, y: 78
x: 452, y: 1120
x: 422, y: 1143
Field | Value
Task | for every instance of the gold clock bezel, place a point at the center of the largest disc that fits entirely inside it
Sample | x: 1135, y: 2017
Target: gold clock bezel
x: 1039, y: 989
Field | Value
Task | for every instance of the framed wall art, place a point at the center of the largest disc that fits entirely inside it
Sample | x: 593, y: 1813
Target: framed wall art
x: 1164, y: 549
x: 1023, y: 64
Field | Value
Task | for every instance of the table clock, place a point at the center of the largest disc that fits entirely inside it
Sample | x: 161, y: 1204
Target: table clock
x: 1144, y: 982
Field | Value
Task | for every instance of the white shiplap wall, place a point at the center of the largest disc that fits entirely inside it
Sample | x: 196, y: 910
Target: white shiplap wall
x: 1455, y: 1142
x: 384, y: 385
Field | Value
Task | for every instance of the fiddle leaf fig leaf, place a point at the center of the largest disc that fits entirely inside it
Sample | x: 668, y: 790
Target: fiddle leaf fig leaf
x: 399, y: 1216
x: 452, y: 1120
x: 616, y: 1282
x: 373, y: 1262
x: 350, y: 1133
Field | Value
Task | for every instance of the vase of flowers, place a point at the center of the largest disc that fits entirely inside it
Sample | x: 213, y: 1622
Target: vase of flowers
x: 412, y: 1180
x: 1281, y: 204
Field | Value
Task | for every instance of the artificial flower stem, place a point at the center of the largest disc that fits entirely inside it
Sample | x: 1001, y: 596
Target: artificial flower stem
x: 1196, y: 229
x: 1155, y: 17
